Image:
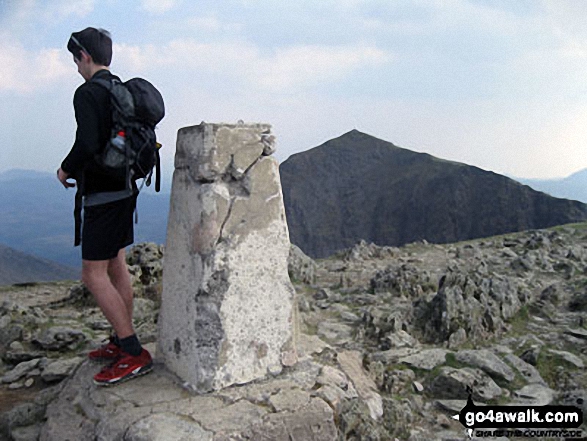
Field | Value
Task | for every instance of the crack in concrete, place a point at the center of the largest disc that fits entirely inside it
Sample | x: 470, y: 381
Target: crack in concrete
x: 244, y: 191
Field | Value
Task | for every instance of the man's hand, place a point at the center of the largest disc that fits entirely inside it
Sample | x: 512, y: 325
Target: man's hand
x: 62, y: 176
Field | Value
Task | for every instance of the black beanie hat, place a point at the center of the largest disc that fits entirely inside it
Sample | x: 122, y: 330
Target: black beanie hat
x: 95, y: 42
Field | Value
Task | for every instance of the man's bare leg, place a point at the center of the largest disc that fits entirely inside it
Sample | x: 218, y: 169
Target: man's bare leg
x: 120, y: 278
x: 111, y: 302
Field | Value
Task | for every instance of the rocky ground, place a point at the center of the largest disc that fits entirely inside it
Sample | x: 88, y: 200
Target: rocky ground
x: 390, y: 342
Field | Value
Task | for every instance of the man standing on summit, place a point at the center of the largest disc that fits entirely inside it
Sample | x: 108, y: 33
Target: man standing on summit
x: 108, y: 206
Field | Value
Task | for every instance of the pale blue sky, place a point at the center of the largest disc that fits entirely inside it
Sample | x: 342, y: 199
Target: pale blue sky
x: 501, y: 85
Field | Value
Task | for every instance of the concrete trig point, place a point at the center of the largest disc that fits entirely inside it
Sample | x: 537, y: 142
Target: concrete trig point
x: 227, y: 307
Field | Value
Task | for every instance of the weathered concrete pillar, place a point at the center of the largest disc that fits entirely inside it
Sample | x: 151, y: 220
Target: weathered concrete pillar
x: 227, y: 306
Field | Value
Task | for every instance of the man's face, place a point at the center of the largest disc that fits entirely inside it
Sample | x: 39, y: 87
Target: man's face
x: 83, y: 65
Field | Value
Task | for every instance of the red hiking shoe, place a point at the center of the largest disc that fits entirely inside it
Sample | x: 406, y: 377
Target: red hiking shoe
x: 107, y: 352
x: 125, y: 368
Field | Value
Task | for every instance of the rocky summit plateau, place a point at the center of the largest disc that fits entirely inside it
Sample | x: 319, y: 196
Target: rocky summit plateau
x: 390, y: 340
x: 358, y: 187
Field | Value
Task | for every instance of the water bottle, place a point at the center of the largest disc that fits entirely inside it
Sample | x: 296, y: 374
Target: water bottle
x: 119, y: 140
x: 114, y: 155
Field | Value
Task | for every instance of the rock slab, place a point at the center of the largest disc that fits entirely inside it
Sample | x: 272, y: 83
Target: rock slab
x: 227, y: 306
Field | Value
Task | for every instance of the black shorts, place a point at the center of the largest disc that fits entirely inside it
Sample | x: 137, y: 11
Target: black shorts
x: 107, y: 228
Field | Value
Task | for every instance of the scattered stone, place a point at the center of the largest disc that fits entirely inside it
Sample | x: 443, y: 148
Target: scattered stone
x: 418, y: 387
x: 57, y: 370
x: 334, y: 332
x: 333, y: 395
x: 427, y: 359
x: 393, y: 356
x: 457, y: 338
x: 352, y: 365
x: 301, y: 267
x: 531, y: 355
x: 534, y: 395
x: 454, y: 383
x: 290, y: 400
x: 60, y: 338
x: 526, y: 370
x: 20, y: 371
x: 16, y: 385
x: 399, y: 339
x: 398, y: 382
x: 332, y: 376
x: 323, y: 294
x: 578, y: 333
x: 569, y: 358
x: 310, y: 344
x: 452, y: 406
x: 486, y: 361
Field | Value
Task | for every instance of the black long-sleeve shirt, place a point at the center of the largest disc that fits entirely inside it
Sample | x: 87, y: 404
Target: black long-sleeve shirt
x: 93, y: 115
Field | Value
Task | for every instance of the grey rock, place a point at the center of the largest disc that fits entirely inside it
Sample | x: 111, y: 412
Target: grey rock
x: 333, y: 395
x: 531, y: 355
x: 16, y: 385
x: 569, y: 358
x: 167, y: 427
x: 313, y: 422
x: 399, y: 339
x: 392, y: 356
x: 22, y: 415
x: 478, y: 304
x: 323, y: 294
x: 9, y: 333
x: 405, y: 280
x: 301, y: 267
x: 578, y: 333
x: 332, y: 376
x: 290, y: 400
x: 452, y: 406
x: 486, y: 361
x: 534, y: 395
x: 334, y: 331
x: 457, y: 338
x: 427, y: 359
x: 20, y: 371
x: 57, y: 370
x: 453, y: 383
x: 27, y: 433
x: 526, y: 370
x: 398, y: 382
x: 575, y: 397
x: 310, y: 344
x: 351, y: 364
x: 59, y: 338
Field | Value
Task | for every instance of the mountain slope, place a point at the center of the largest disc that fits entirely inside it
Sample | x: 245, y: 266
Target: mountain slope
x: 571, y: 187
x: 360, y: 187
x: 18, y: 267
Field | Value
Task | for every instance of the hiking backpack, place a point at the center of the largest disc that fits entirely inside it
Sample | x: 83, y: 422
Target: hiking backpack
x: 132, y: 150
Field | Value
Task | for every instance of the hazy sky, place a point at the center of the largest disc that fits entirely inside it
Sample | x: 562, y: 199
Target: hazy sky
x: 497, y: 84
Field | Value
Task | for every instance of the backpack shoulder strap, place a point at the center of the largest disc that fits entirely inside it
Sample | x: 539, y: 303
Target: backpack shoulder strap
x: 121, y: 96
x: 102, y: 82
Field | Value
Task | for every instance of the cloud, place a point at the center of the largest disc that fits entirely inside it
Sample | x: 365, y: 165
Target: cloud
x: 158, y: 6
x: 27, y: 71
x: 309, y: 65
x: 291, y: 67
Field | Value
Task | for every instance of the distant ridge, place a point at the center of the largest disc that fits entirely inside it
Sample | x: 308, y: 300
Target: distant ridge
x: 358, y: 187
x: 572, y: 187
x: 18, y: 267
